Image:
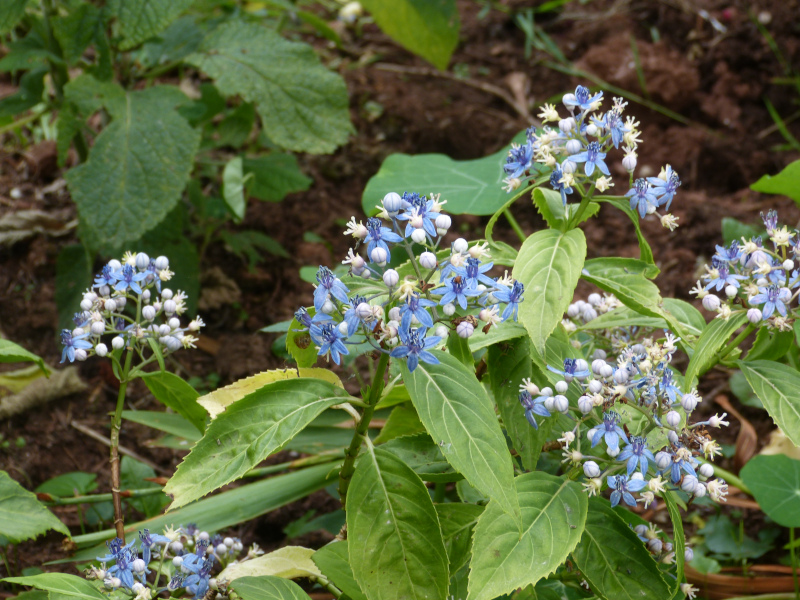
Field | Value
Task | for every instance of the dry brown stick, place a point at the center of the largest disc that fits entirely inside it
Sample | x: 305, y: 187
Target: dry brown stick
x: 122, y: 449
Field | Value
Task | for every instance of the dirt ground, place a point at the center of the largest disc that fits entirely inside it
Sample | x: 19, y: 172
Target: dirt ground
x: 704, y: 59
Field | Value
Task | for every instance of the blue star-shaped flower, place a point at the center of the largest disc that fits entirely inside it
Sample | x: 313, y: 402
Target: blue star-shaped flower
x: 512, y: 297
x: 610, y: 430
x: 328, y: 283
x: 771, y: 298
x: 583, y: 98
x: 555, y: 183
x: 642, y: 197
x: 519, y: 160
x: 665, y: 189
x: 636, y: 454
x: 329, y: 339
x: 128, y: 278
x: 533, y: 407
x: 457, y: 291
x: 593, y: 157
x: 415, y: 346
x: 378, y: 235
x: 416, y: 307
x: 71, y: 343
x: 623, y: 487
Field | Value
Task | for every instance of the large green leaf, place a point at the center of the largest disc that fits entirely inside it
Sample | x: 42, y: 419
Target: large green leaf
x: 557, y: 214
x: 275, y: 175
x: 785, y: 183
x: 549, y: 266
x: 289, y: 562
x: 76, y: 30
x: 11, y: 12
x: 613, y: 559
x: 396, y: 548
x: 775, y: 483
x: 428, y: 28
x: 334, y: 562
x: 457, y: 520
x: 135, y: 475
x: 61, y: 584
x: 423, y: 457
x: 710, y: 342
x: 22, y: 516
x: 303, y: 106
x: 505, y: 557
x: 460, y: 418
x: 174, y: 392
x: 12, y: 353
x: 778, y: 388
x: 690, y: 318
x: 267, y: 587
x: 249, y: 431
x: 73, y: 276
x: 137, y: 168
x: 139, y: 20
x: 508, y: 364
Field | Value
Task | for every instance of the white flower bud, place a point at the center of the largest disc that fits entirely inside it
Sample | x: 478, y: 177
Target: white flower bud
x: 711, y: 303
x: 364, y: 311
x: 86, y: 304
x: 689, y: 402
x: 427, y: 260
x: 568, y: 99
x: 379, y: 256
x: 550, y: 403
x: 591, y: 469
x: 561, y: 404
x: 688, y: 554
x: 754, y: 315
x: 166, y: 294
x: 465, y: 329
x: 343, y: 328
x: 731, y: 291
x: 607, y: 371
x: 689, y: 484
x: 113, y: 582
x: 460, y: 245
x: 595, y: 387
x: 104, y: 291
x: 566, y: 125
x: 573, y: 311
x: 784, y: 294
x: 585, y: 405
x: 663, y: 460
x: 620, y: 376
x: 591, y: 129
x: 212, y: 583
x: 228, y: 541
x: 569, y: 166
x: 443, y: 222
x: 366, y: 274
x: 170, y: 307
x: 673, y: 419
x: 561, y: 387
x: 118, y: 343
x: 788, y: 264
x: 101, y: 350
x: 176, y: 547
x: 114, y: 264
x: 394, y: 314
x: 449, y: 309
x: 581, y: 365
x: 418, y: 236
x: 138, y: 565
x: 629, y: 162
x: 238, y: 547
x: 142, y: 261
x: 221, y: 548
x: 613, y: 452
x: 174, y: 323
x: 110, y: 305
x: 146, y: 296
x: 546, y: 391
x: 172, y: 343
x: 393, y: 203
x: 149, y: 313
x: 589, y: 314
x: 98, y: 327
x: 162, y: 262
x: 80, y: 354
x: 655, y: 545
x: 706, y: 470
x: 391, y: 278
x: 441, y: 332
x: 164, y: 329
x: 573, y: 146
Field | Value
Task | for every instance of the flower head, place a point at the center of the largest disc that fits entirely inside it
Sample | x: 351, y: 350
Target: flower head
x: 415, y: 348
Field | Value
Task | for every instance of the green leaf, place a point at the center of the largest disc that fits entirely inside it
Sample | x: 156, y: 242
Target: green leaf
x: 613, y: 559
x: 89, y: 94
x: 549, y: 204
x: 402, y: 421
x: 299, y: 344
x: 710, y: 342
x: 137, y: 168
x: 11, y: 12
x: 459, y: 416
x: 163, y: 421
x: 770, y: 345
x: 505, y: 557
x: 645, y: 252
x: 742, y: 390
x: 778, y: 388
x: 428, y: 28
x: 133, y: 475
x: 390, y: 509
x: 249, y: 431
x: 507, y: 330
x: 267, y: 588
x: 458, y: 348
x: 69, y: 484
x: 678, y: 538
x: 457, y: 520
x: 29, y: 94
x: 690, y: 318
x: 12, y: 353
x: 736, y: 230
x: 508, y: 364
x: 334, y: 562
x: 424, y: 457
x: 73, y: 276
x: 233, y: 181
x: 76, y: 30
x: 61, y: 584
x: 177, y: 41
x: 22, y: 516
x: 785, y: 183
x: 236, y: 127
x: 139, y: 20
x: 549, y: 266
x: 775, y: 483
x: 289, y: 562
x: 175, y: 393
x: 275, y: 175
x: 67, y: 127
x: 303, y: 106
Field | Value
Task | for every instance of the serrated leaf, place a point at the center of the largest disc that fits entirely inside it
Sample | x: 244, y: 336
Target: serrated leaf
x: 775, y: 483
x: 457, y: 520
x: 268, y: 588
x: 236, y: 127
x: 778, y: 388
x: 175, y: 393
x: 459, y: 416
x: 303, y: 106
x: 505, y: 556
x: 275, y: 175
x: 88, y: 94
x: 177, y: 41
x: 557, y: 215
x: 390, y: 509
x: 711, y: 341
x: 333, y: 561
x: 11, y: 12
x: 76, y: 30
x: 614, y: 560
x: 139, y: 20
x: 289, y: 562
x: 137, y: 168
x: 549, y: 266
x: 785, y: 183
x: 428, y: 28
x: 249, y: 431
x: 233, y: 187
x: 12, y: 353
x: 22, y: 516
x: 60, y: 583
x: 423, y: 457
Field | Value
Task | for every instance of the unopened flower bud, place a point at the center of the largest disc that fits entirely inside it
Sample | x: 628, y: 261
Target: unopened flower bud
x: 166, y: 294
x: 620, y: 376
x: 115, y: 264
x: 138, y: 565
x: 170, y: 307
x: 597, y: 365
x: 566, y: 125
x: 98, y: 327
x: 104, y: 291
x: 591, y: 469
x: 655, y: 545
x: 221, y: 549
x: 418, y: 236
x: 174, y: 323
x: 441, y: 331
x: 663, y: 460
x: 561, y: 387
x: 110, y: 305
x: 612, y: 452
x: 550, y: 403
x: 689, y: 402
x: 465, y: 329
x: 573, y: 310
x: 101, y: 350
x: 561, y: 404
x: 688, y: 554
x: 449, y: 309
x: 343, y: 327
x: 754, y: 315
x: 427, y: 260
x: 673, y: 419
x: 591, y: 129
x: 391, y: 278
x: 585, y: 405
x: 607, y: 371
x: 142, y: 261
x: 706, y: 470
x: 568, y: 99
x: 393, y: 203
x: 80, y: 354
x: 460, y: 245
x: 118, y: 343
x: 443, y: 222
x: 162, y: 262
x: 629, y: 162
x: 573, y: 146
x: 595, y: 387
x: 379, y: 256
x: 672, y: 437
x: 149, y: 313
x: 86, y: 304
x: 689, y: 483
x: 711, y: 303
x: 731, y: 291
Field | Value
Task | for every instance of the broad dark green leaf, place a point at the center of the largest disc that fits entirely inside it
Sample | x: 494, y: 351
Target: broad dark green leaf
x: 770, y: 344
x: 457, y: 520
x: 428, y: 28
x: 549, y: 266
x: 267, y: 587
x: 11, y: 12
x: 557, y: 215
x: 177, y: 41
x: 171, y: 423
x: 29, y: 94
x: 275, y: 175
x: 785, y: 183
x: 76, y: 30
x: 69, y: 484
x: 778, y: 388
x: 22, y: 516
x: 423, y: 457
x: 303, y: 106
x: 775, y: 483
x: 12, y: 353
x: 613, y: 560
x: 460, y: 418
x: 133, y: 476
x: 61, y: 584
x: 396, y: 548
x: 334, y: 562
x: 505, y: 557
x: 733, y: 229
x: 402, y: 421
x: 174, y: 392
x: 235, y: 128
x: 713, y: 339
x: 139, y: 20
x: 300, y: 345
x: 507, y: 330
x: 459, y: 348
x: 249, y: 431
x: 88, y: 93
x: 691, y: 318
x: 67, y: 127
x: 137, y: 168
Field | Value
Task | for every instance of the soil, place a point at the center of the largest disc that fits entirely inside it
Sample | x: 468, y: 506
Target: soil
x: 706, y: 60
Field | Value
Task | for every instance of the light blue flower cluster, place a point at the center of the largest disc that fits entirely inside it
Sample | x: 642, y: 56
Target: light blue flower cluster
x: 127, y: 301
x: 406, y: 310
x: 752, y: 277
x: 576, y: 153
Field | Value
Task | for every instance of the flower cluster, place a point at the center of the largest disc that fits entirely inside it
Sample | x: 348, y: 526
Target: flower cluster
x: 753, y: 277
x: 576, y: 152
x: 186, y: 557
x: 634, y: 416
x: 408, y: 310
x: 581, y: 312
x: 127, y: 301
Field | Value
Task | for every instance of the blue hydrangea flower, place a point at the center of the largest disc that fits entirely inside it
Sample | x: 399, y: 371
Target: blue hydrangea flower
x: 623, y: 487
x: 636, y: 454
x: 555, y: 183
x: 731, y: 254
x: 175, y: 583
x: 416, y: 307
x: 570, y: 370
x: 771, y: 298
x: 81, y: 319
x: 724, y: 276
x: 106, y: 277
x: 301, y: 316
x: 378, y: 235
x: 128, y: 278
x: 519, y: 160
x: 593, y: 157
x: 415, y: 347
x: 71, y: 343
x: 148, y: 541
x: 583, y: 98
x: 457, y: 291
x: 665, y: 189
x: 512, y: 297
x: 419, y: 206
x: 328, y: 283
x: 329, y: 339
x: 350, y: 316
x: 610, y: 430
x: 770, y: 220
x: 197, y: 583
x: 474, y: 271
x: 642, y: 197
x: 533, y: 407
x: 192, y: 560
x: 612, y: 121
x: 682, y: 460
x: 123, y: 557
x: 668, y: 387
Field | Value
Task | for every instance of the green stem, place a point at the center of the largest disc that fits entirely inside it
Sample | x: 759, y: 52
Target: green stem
x: 20, y: 122
x: 582, y: 208
x: 95, y: 498
x: 327, y: 585
x: 514, y: 225
x: 735, y: 342
x: 116, y: 421
x: 348, y: 467
x: 794, y: 563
